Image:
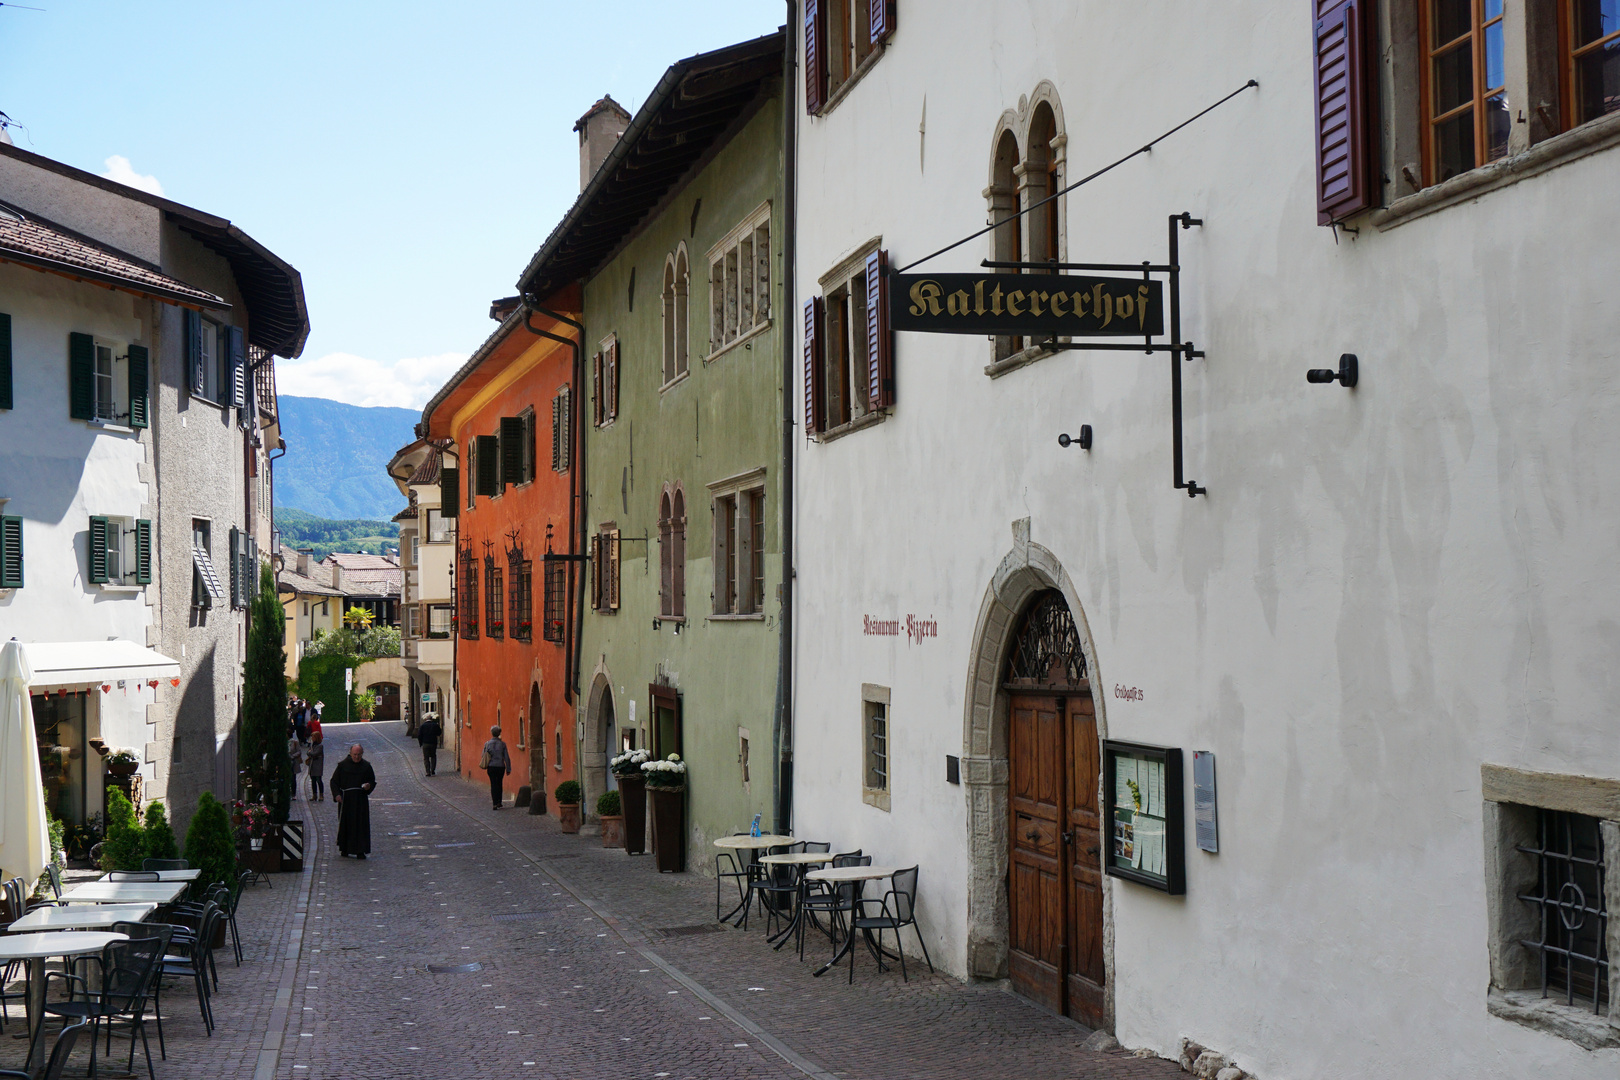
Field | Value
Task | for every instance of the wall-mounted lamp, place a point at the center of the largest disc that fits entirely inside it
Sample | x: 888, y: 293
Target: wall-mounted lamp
x: 1083, y: 439
x: 1346, y: 376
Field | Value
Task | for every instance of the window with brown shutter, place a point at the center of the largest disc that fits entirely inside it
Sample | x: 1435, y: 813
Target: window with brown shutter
x: 1346, y: 127
x: 812, y: 365
x: 881, y: 19
x: 610, y: 375
x: 852, y: 370
x: 815, y: 56
x: 598, y: 406
x: 666, y: 558
x: 879, y: 338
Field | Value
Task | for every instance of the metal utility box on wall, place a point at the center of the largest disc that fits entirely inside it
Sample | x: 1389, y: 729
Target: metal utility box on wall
x: 1145, y: 815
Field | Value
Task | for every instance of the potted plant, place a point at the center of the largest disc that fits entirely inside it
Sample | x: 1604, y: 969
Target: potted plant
x: 365, y: 703
x: 567, y: 795
x: 666, y: 786
x: 607, y: 809
x: 123, y: 762
x: 633, y: 797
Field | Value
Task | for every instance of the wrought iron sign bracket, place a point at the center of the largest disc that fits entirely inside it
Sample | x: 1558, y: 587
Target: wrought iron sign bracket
x: 1180, y: 351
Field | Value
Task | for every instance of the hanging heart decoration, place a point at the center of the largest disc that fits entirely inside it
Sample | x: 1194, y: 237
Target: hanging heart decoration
x: 174, y: 681
x: 106, y: 688
x: 152, y: 683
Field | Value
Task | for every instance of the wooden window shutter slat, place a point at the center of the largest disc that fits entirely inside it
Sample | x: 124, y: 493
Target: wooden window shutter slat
x: 597, y: 411
x: 613, y: 570
x: 489, y: 464
x: 613, y: 381
x: 511, y: 451
x: 1346, y: 116
x: 882, y: 13
x: 143, y: 552
x: 815, y: 56
x: 194, y: 359
x: 139, y: 380
x: 596, y: 572
x: 529, y: 466
x: 81, y: 377
x: 678, y: 556
x: 98, y: 551
x: 236, y: 570
x: 813, y: 409
x: 567, y: 428
x: 11, y: 553
x: 449, y: 492
x: 5, y: 361
x: 237, y: 355
x: 879, y: 336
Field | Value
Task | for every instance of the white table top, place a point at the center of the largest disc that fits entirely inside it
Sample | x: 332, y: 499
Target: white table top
x: 80, y: 917
x: 798, y: 858
x: 165, y: 875
x: 125, y: 892
x: 851, y: 873
x: 64, y: 943
x: 746, y: 842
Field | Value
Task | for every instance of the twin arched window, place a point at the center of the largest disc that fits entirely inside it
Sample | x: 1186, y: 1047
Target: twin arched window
x: 1027, y: 165
x: 672, y: 554
x: 676, y: 291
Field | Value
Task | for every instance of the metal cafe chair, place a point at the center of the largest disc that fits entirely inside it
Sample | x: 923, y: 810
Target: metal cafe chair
x: 771, y: 885
x: 835, y: 901
x: 127, y: 969
x: 133, y: 875
x: 165, y: 864
x: 903, y: 912
x: 57, y: 1065
x: 192, y: 957
x: 728, y: 864
x: 164, y: 933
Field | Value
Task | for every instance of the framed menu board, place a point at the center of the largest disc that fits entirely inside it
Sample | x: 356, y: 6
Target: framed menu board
x: 1145, y: 815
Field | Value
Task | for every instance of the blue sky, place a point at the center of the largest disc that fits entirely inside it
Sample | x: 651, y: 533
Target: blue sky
x: 407, y: 157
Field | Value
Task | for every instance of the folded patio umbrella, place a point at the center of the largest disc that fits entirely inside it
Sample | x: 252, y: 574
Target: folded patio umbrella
x: 25, y: 846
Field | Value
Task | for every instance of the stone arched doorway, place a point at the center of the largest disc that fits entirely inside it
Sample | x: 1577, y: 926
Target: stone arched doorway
x: 596, y: 740
x: 537, y: 751
x: 1028, y: 701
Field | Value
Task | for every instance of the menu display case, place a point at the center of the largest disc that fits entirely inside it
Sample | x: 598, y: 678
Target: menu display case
x: 1145, y: 815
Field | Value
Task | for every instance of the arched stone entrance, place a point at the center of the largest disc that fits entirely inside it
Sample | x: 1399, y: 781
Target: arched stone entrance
x: 537, y: 751
x: 1027, y: 571
x: 599, y: 716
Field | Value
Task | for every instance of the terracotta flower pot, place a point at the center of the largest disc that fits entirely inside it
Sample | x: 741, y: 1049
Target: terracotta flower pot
x: 568, y: 817
x: 612, y: 830
x: 633, y: 798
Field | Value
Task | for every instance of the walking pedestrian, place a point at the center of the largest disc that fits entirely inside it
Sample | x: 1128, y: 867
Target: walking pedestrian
x: 301, y: 724
x: 315, y: 760
x: 295, y: 754
x: 314, y: 723
x: 497, y: 763
x: 352, y: 784
x: 427, y: 733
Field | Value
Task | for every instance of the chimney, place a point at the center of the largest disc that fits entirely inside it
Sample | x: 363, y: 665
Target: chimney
x: 337, y: 577
x: 598, y: 129
x: 304, y: 555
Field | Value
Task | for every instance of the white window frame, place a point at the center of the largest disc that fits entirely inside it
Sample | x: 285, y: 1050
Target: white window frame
x: 739, y: 297
x: 732, y: 549
x: 436, y: 530
x: 111, y: 386
x: 875, y: 711
x: 123, y: 550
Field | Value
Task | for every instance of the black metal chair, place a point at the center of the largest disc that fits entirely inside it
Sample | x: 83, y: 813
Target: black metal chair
x: 188, y: 919
x: 127, y: 969
x: 133, y: 875
x: 165, y: 864
x: 902, y: 913
x: 834, y: 901
x: 737, y: 872
x: 9, y: 914
x: 54, y: 1068
x: 191, y: 957
x: 230, y: 913
x: 772, y: 885
x: 164, y: 933
x: 53, y: 878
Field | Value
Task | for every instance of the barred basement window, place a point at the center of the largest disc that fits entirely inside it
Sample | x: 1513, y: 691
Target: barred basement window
x: 467, y: 616
x: 875, y: 745
x: 494, y: 599
x: 556, y: 599
x: 521, y: 605
x: 1570, y: 908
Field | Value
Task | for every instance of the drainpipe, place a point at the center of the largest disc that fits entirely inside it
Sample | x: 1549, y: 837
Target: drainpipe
x: 782, y: 730
x: 576, y: 513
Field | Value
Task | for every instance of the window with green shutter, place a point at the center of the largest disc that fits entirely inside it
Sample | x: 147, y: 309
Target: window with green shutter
x: 511, y: 451
x: 194, y: 352
x: 236, y: 567
x: 11, y: 553
x: 139, y: 380
x: 489, y: 464
x: 5, y: 361
x: 81, y: 377
x: 100, y: 527
x: 143, y: 552
x: 449, y: 491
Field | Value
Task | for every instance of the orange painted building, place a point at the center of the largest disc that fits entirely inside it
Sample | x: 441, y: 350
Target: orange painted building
x: 511, y: 410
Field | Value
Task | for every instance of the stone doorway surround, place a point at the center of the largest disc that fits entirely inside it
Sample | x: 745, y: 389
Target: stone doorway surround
x: 592, y: 762
x: 1026, y: 570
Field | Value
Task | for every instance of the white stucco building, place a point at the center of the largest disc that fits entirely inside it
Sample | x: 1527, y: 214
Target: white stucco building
x: 134, y: 471
x: 1388, y: 609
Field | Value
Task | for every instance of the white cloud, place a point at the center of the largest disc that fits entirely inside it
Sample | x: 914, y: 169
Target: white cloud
x: 119, y: 169
x: 358, y: 380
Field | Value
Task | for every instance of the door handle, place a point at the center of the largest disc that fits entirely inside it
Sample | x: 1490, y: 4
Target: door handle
x: 1068, y: 838
x: 1092, y: 850
x: 1032, y: 835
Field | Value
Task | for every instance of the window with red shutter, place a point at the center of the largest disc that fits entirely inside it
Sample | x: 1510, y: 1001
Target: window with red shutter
x: 812, y: 365
x: 1346, y: 129
x: 815, y: 55
x: 881, y: 16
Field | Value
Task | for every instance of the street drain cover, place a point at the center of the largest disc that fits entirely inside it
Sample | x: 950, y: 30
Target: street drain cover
x: 455, y: 969
x: 688, y: 931
x: 516, y: 915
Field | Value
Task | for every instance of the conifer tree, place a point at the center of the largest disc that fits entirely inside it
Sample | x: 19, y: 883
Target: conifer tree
x: 122, y: 848
x: 209, y: 844
x: 158, y: 840
x: 264, y: 763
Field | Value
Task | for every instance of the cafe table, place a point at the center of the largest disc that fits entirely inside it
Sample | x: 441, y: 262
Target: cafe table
x: 80, y: 917
x: 165, y: 875
x: 125, y: 892
x: 799, y: 860
x: 844, y: 875
x: 36, y: 949
x: 749, y: 843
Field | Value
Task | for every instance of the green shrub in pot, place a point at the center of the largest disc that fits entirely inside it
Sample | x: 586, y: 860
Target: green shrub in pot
x: 567, y: 793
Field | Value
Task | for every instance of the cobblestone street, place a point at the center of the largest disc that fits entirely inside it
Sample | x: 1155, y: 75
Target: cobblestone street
x: 588, y: 964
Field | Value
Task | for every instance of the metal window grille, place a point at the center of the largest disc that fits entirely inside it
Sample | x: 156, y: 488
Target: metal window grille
x: 1569, y: 900
x: 520, y: 603
x: 877, y: 746
x: 494, y: 599
x: 556, y: 598
x: 468, y: 616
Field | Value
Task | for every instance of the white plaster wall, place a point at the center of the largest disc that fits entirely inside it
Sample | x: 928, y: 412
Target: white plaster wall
x: 1383, y: 589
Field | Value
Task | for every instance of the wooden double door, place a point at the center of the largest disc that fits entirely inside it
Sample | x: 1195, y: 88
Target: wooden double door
x: 1055, y: 953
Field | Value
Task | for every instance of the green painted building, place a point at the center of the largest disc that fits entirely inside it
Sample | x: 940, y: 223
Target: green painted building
x: 675, y: 240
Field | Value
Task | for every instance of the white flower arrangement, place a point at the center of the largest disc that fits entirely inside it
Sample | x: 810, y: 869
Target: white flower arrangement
x: 629, y: 763
x: 669, y: 773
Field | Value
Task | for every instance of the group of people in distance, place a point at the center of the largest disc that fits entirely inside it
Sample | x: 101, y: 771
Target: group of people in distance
x: 352, y: 781
x: 496, y: 760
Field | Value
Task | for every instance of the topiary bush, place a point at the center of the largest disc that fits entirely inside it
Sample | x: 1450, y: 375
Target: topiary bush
x: 123, y: 846
x: 158, y: 840
x: 567, y: 793
x: 607, y: 804
x: 210, y: 846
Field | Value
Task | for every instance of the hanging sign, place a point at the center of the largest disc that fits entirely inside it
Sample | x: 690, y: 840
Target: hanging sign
x: 1053, y: 305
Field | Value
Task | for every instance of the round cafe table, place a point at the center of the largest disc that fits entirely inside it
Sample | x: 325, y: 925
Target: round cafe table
x: 750, y: 844
x: 799, y: 860
x: 843, y: 875
x: 36, y: 949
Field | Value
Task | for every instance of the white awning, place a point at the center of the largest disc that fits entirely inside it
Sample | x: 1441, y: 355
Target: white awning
x: 79, y: 663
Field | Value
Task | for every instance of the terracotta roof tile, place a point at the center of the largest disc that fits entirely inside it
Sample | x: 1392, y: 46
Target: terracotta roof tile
x: 38, y: 243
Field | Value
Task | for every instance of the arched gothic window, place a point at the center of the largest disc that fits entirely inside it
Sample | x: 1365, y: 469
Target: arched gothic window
x: 676, y: 290
x: 672, y: 554
x: 1007, y: 239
